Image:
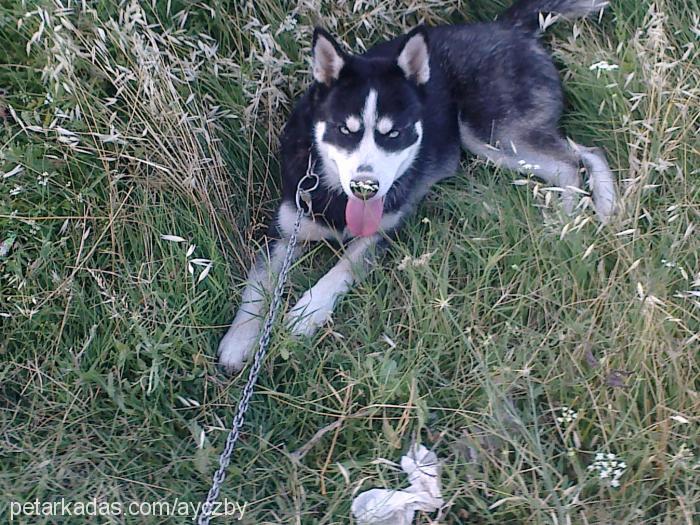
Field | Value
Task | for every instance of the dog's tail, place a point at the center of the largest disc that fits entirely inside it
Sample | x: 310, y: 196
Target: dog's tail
x: 525, y: 14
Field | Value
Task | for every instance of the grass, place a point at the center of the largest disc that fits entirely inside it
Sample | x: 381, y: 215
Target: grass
x: 133, y: 122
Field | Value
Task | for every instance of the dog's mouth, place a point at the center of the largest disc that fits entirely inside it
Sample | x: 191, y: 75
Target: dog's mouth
x: 364, y: 217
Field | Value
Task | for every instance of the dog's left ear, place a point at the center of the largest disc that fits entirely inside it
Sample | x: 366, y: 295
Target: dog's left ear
x: 414, y: 59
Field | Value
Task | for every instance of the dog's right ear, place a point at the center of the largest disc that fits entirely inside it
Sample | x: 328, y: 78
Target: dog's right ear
x: 328, y: 58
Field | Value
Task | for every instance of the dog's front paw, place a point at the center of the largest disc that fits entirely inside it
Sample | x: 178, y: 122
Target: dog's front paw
x: 237, y: 345
x: 308, y: 315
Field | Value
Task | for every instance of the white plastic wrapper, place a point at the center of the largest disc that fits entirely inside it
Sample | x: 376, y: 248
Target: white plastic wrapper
x: 397, y: 507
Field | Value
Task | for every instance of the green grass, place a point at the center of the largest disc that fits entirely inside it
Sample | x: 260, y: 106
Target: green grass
x: 107, y: 343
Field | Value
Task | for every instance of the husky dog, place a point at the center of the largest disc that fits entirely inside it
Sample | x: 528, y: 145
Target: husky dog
x: 381, y: 128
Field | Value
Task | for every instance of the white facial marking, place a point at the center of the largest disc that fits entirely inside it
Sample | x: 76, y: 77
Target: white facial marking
x: 353, y: 124
x: 342, y: 165
x: 385, y: 125
x: 369, y: 112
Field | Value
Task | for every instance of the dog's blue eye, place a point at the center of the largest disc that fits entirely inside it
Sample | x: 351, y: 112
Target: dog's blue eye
x: 393, y: 134
x: 344, y: 130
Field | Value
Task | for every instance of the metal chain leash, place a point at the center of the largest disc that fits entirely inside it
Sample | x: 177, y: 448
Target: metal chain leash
x: 302, y: 195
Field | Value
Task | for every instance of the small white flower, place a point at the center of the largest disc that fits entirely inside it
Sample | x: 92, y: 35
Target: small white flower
x: 528, y: 166
x: 668, y: 264
x: 603, y: 66
x: 608, y: 467
x: 568, y: 415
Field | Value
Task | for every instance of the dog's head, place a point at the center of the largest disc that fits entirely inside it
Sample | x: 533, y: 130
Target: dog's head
x: 367, y: 124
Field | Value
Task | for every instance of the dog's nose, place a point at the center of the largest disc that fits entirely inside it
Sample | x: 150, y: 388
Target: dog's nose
x: 364, y: 187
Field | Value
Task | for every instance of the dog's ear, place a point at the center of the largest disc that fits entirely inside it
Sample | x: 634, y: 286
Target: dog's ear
x: 414, y: 58
x: 328, y: 58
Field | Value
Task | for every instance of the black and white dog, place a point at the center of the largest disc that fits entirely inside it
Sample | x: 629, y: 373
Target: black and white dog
x: 383, y: 127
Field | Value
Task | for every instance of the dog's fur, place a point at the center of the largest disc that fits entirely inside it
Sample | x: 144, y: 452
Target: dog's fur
x: 398, y: 116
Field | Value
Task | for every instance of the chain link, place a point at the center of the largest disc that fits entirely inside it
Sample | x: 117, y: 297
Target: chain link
x: 225, y: 457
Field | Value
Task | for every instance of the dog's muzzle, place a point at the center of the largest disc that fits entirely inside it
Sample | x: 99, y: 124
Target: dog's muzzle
x: 364, y: 188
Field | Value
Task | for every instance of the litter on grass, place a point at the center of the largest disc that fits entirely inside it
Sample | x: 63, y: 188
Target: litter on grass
x: 398, y: 507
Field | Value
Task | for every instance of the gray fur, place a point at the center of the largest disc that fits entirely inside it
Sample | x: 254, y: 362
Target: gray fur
x: 526, y: 13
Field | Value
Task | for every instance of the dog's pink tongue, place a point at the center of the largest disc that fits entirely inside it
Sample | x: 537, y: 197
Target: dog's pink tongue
x: 364, y: 217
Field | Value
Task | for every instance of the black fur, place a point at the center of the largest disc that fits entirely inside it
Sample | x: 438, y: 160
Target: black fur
x: 489, y: 75
x: 492, y: 89
x: 401, y: 98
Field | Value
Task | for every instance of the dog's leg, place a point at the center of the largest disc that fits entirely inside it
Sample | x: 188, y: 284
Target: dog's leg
x: 241, y: 337
x: 552, y: 159
x: 317, y: 304
x: 600, y: 179
x: 549, y: 157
